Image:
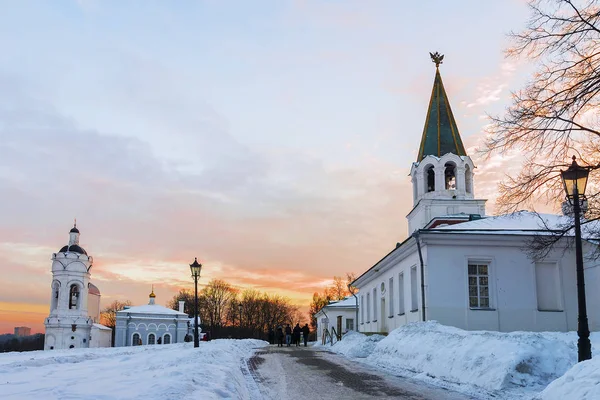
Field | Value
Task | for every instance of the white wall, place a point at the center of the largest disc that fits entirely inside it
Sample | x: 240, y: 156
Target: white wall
x: 100, y: 337
x: 512, y: 279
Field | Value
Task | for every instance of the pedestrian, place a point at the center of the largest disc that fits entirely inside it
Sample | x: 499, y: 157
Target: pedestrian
x: 297, y: 331
x: 305, y: 332
x: 279, y: 336
x: 271, y: 335
x: 288, y: 335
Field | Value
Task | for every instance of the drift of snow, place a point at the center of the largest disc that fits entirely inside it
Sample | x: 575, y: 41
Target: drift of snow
x: 513, y: 365
x: 215, y: 370
x: 580, y: 382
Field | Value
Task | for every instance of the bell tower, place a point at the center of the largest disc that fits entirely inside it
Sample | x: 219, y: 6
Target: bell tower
x: 442, y: 176
x: 69, y: 325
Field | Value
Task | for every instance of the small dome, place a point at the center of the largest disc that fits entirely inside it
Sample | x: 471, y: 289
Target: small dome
x: 73, y: 249
x: 74, y: 230
x: 93, y: 289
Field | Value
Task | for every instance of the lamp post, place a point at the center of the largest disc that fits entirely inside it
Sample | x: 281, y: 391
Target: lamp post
x: 240, y: 307
x: 196, y: 267
x: 575, y: 180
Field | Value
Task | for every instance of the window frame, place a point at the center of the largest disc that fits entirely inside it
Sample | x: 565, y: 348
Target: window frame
x: 479, y: 262
x: 391, y: 296
x: 401, y: 290
x: 414, y: 291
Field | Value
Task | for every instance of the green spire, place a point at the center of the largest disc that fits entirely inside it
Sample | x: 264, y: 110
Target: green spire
x: 440, y: 135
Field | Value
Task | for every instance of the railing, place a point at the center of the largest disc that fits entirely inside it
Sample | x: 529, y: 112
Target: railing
x: 332, y: 336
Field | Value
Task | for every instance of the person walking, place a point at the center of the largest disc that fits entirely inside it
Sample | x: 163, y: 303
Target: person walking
x: 305, y: 332
x: 271, y: 335
x: 288, y: 335
x: 279, y: 336
x: 297, y: 331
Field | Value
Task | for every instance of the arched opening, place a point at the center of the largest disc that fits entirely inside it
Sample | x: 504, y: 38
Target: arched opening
x: 55, y: 294
x: 74, y: 297
x: 151, y: 339
x: 429, y: 179
x: 167, y: 339
x: 450, y: 176
x: 468, y: 179
x: 136, y: 340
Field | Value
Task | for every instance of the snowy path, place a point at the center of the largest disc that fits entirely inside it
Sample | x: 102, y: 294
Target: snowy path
x: 309, y: 373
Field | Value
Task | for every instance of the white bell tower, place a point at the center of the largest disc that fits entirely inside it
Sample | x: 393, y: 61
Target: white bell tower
x: 442, y: 177
x: 68, y: 325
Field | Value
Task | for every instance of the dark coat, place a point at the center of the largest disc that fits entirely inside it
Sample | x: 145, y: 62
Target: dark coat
x: 305, y: 330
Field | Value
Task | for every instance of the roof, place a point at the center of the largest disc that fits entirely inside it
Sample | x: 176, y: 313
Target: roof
x: 93, y: 289
x: 520, y: 222
x: 349, y: 301
x: 151, y: 309
x: 102, y: 327
x: 440, y: 134
x: 73, y: 249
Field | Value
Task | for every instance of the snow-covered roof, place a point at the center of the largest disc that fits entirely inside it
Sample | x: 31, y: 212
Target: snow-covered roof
x: 151, y: 309
x: 521, y: 222
x: 102, y: 327
x: 349, y: 301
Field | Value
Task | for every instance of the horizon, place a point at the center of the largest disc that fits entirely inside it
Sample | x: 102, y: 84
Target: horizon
x: 272, y: 141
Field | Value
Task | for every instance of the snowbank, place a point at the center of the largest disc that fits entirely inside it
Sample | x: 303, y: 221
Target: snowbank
x: 582, y: 382
x: 215, y: 370
x: 356, y: 345
x: 516, y: 364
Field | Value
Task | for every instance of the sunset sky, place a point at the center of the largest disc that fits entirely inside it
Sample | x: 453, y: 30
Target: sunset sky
x: 270, y: 139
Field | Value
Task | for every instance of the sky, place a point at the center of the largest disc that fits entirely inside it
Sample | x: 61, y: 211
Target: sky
x: 270, y: 139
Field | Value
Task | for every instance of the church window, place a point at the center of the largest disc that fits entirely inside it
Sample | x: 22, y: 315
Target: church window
x: 151, y: 338
x: 547, y: 284
x: 368, y: 308
x: 55, y: 293
x: 450, y: 176
x: 167, y: 339
x: 136, y: 341
x: 349, y: 324
x: 74, y: 297
x: 374, y: 305
x: 479, y: 288
x: 430, y: 179
x: 362, y: 309
x: 391, y: 294
x: 468, y: 180
x: 414, y: 296
x: 401, y: 293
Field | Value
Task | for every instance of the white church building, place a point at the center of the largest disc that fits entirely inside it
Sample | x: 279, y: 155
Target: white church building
x: 463, y: 268
x: 152, y: 324
x: 74, y: 301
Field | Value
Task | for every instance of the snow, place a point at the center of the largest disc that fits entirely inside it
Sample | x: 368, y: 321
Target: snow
x: 215, y: 370
x: 580, y: 382
x: 150, y: 309
x: 516, y: 365
x: 349, y: 301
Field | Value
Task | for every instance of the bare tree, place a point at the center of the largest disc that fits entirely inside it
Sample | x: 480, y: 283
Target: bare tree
x: 216, y: 296
x: 108, y: 316
x: 556, y: 114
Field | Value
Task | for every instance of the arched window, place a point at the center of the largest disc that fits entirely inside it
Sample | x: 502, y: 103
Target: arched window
x: 167, y: 339
x: 136, y: 341
x: 430, y: 179
x: 55, y: 294
x: 74, y: 297
x: 151, y: 339
x: 468, y: 180
x: 450, y: 176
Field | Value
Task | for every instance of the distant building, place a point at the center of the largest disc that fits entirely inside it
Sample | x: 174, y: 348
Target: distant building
x: 340, y: 315
x: 22, y: 331
x: 74, y: 301
x: 151, y: 324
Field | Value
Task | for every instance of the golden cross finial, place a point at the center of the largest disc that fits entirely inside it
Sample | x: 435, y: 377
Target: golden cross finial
x: 437, y: 58
x: 75, y: 223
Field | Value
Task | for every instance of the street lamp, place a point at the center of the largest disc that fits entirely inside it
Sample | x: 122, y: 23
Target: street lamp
x: 240, y: 307
x: 575, y: 180
x: 196, y: 267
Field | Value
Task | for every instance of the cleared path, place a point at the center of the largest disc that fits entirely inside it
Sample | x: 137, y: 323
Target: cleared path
x: 310, y: 373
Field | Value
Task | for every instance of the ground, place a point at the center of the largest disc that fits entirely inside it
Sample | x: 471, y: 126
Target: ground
x: 315, y: 373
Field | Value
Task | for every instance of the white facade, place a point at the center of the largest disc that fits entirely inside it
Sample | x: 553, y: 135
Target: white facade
x: 335, y: 315
x: 69, y: 324
x: 151, y: 324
